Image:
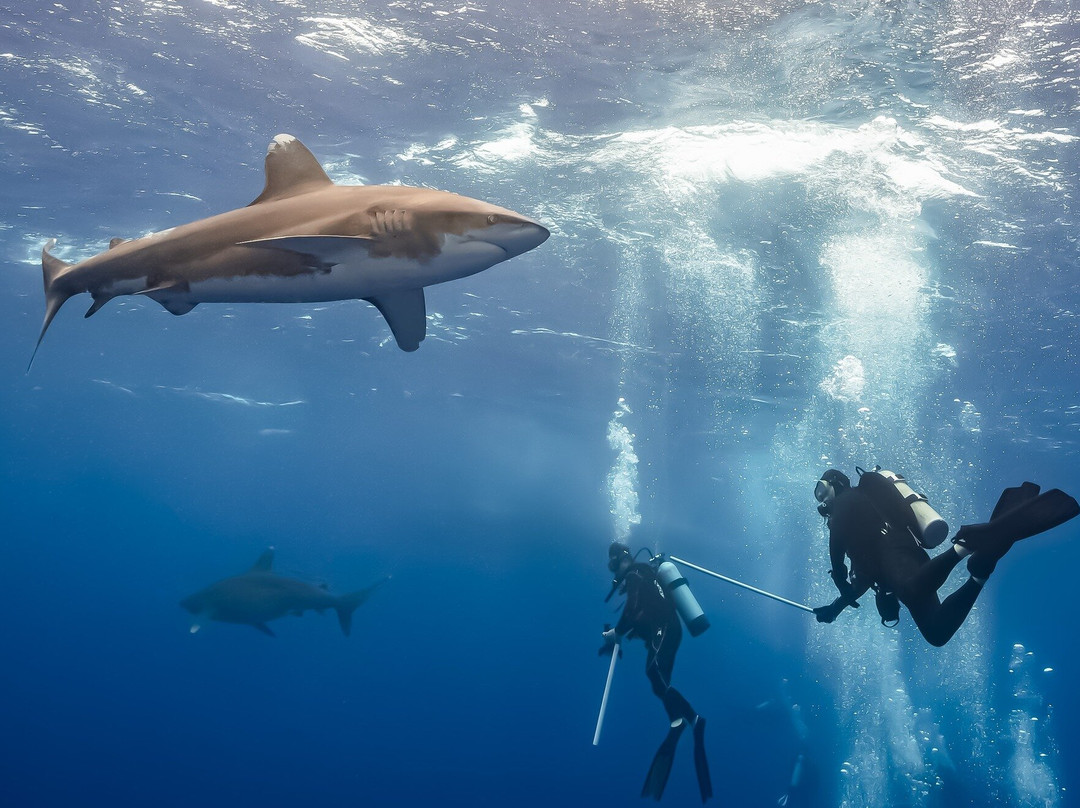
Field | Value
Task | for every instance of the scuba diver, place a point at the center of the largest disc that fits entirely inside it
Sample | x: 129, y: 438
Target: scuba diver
x: 878, y: 527
x: 650, y: 614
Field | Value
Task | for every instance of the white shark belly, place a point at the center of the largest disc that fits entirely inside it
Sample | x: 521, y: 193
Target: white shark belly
x: 341, y: 282
x: 369, y: 278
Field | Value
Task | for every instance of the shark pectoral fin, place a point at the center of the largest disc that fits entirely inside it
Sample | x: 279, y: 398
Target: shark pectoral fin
x: 265, y: 629
x: 406, y: 314
x: 323, y: 252
x: 264, y: 562
x: 176, y: 287
x: 291, y: 169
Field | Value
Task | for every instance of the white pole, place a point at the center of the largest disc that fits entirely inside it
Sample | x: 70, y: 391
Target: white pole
x: 740, y: 583
x: 607, y: 690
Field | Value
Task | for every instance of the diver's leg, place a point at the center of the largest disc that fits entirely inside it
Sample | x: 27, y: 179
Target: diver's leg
x: 931, y: 575
x: 662, y: 649
x: 938, y: 621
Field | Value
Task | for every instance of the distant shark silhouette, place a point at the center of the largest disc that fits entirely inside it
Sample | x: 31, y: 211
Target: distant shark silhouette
x: 305, y: 240
x: 260, y: 595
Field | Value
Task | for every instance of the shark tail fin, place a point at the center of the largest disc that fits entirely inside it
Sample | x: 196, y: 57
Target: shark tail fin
x: 51, y: 268
x: 347, y: 604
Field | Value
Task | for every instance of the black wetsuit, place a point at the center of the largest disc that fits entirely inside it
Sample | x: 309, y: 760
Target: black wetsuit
x: 884, y: 553
x: 650, y: 614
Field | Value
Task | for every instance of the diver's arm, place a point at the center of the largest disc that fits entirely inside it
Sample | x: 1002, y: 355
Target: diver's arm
x: 633, y: 604
x: 850, y: 591
x: 859, y: 588
x: 849, y: 594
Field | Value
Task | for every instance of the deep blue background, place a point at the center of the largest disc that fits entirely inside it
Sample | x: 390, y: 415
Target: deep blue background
x: 741, y: 195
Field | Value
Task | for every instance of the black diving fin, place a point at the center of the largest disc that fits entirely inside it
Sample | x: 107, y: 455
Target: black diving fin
x: 1037, y: 514
x: 701, y: 763
x: 656, y: 779
x: 1013, y: 498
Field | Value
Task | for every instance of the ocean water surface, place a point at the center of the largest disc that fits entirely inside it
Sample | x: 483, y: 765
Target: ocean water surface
x: 786, y: 235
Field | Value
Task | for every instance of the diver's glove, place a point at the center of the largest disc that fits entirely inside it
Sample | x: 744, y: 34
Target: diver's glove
x: 611, y: 639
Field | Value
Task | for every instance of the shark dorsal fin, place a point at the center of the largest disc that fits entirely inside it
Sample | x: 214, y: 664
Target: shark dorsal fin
x: 116, y: 242
x: 265, y: 562
x: 290, y: 170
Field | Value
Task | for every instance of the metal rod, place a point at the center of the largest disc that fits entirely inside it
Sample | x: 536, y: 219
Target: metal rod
x: 607, y: 690
x: 740, y: 583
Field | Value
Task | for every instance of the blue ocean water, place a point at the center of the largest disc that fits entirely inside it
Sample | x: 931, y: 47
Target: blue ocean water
x: 785, y: 236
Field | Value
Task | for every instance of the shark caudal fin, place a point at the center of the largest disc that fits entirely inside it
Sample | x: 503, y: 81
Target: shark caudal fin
x: 347, y: 604
x: 51, y: 268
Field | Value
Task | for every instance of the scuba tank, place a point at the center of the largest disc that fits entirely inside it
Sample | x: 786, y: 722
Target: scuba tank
x: 906, y: 506
x: 932, y: 529
x: 685, y: 603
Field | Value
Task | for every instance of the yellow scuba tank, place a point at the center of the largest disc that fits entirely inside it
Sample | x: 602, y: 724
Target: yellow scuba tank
x: 929, y: 528
x: 685, y: 603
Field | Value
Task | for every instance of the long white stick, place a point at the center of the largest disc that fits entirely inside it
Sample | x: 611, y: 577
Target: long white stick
x: 740, y: 583
x: 607, y: 690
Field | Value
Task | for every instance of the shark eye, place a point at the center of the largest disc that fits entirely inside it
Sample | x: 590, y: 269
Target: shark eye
x: 492, y: 218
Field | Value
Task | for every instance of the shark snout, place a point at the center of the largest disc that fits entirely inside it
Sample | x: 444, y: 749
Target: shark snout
x: 192, y: 604
x: 516, y: 237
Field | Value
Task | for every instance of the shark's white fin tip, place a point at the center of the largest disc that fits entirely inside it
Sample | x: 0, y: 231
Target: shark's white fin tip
x: 291, y: 169
x: 195, y: 628
x: 265, y: 562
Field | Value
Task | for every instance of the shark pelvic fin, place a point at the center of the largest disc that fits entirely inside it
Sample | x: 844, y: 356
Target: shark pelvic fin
x: 406, y: 314
x: 99, y: 301
x: 51, y: 269
x: 265, y: 561
x: 290, y: 170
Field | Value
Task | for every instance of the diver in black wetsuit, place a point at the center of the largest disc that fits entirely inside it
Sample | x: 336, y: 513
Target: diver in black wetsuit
x: 884, y: 554
x: 649, y: 614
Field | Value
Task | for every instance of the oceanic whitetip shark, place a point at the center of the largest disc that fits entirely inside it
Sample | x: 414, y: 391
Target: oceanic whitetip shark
x: 260, y: 595
x: 305, y: 240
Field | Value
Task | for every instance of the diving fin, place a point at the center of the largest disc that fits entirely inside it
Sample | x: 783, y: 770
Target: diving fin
x: 1013, y: 498
x: 701, y: 763
x: 656, y: 779
x: 990, y: 541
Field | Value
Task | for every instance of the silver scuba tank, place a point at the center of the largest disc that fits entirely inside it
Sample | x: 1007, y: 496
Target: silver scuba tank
x: 685, y: 602
x: 932, y: 528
